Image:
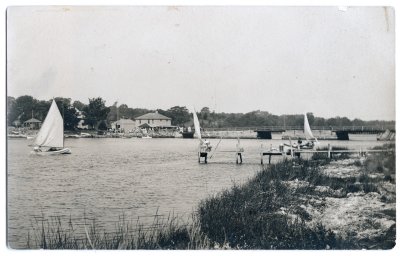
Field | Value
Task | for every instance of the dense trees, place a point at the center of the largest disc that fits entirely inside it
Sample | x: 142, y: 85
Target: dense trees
x: 78, y: 105
x: 179, y: 115
x: 95, y: 112
x: 26, y: 107
x: 69, y: 113
x: 98, y: 115
x: 12, y: 114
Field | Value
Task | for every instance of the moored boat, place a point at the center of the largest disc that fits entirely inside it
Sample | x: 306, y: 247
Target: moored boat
x: 188, y: 135
x: 309, y: 143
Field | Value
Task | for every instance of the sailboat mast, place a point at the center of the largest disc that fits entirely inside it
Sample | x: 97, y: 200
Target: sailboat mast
x: 63, y: 123
x: 116, y: 105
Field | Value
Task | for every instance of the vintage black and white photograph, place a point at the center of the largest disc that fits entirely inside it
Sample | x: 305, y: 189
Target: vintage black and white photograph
x: 200, y: 127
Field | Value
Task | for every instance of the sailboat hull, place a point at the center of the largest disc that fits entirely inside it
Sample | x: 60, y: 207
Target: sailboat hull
x: 55, y: 152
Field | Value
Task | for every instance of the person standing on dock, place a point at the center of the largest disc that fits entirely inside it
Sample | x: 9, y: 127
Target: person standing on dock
x: 206, y: 146
x: 239, y: 150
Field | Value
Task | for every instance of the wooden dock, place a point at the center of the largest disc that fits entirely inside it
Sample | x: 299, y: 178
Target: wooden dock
x: 293, y: 152
x: 296, y: 152
x: 330, y: 153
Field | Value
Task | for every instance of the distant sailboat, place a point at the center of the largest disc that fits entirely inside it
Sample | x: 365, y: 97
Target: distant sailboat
x: 204, y: 145
x: 50, y: 139
x: 310, y: 139
x: 307, y: 129
x: 197, y: 127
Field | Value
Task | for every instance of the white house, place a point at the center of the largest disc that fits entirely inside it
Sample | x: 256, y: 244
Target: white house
x: 153, y: 120
x: 124, y: 125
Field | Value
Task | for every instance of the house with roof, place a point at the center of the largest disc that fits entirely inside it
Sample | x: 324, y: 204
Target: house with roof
x: 33, y: 124
x: 153, y: 120
x: 123, y: 125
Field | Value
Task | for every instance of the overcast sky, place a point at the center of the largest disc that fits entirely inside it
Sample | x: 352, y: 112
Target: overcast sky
x: 285, y: 60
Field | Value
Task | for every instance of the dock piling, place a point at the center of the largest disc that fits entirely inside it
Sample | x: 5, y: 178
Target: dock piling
x: 204, y: 155
x: 239, y: 151
x: 239, y: 157
x: 329, y: 151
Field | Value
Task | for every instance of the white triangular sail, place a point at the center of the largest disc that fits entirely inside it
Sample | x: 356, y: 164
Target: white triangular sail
x: 51, y: 133
x: 197, y: 126
x: 307, y: 129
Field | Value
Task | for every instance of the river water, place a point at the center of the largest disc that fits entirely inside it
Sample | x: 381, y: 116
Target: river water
x: 138, y: 178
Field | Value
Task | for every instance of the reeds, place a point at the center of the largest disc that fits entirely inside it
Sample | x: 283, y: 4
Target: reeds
x: 324, y: 156
x: 262, y: 214
x: 163, y: 233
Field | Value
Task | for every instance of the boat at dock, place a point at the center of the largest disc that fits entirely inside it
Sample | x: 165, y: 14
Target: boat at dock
x: 188, y: 135
x: 309, y: 143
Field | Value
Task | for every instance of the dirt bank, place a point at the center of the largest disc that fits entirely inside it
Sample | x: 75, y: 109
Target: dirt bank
x: 366, y: 216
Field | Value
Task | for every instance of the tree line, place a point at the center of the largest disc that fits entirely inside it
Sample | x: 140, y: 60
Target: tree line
x: 95, y: 114
x: 99, y: 116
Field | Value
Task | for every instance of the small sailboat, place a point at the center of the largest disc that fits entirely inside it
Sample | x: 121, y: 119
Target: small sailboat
x: 204, y: 145
x: 50, y: 139
x: 310, y: 139
x: 308, y: 144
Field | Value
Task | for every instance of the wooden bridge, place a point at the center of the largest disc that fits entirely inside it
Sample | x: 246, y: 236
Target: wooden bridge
x: 342, y: 132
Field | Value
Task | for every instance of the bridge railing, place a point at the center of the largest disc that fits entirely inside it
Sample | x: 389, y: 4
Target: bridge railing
x: 363, y: 128
x: 285, y: 128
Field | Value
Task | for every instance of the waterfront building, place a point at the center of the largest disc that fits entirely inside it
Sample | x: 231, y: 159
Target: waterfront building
x: 123, y: 125
x: 154, y: 120
x: 33, y: 124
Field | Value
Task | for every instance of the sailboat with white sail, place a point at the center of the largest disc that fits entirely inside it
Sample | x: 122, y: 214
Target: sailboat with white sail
x: 204, y: 145
x: 310, y: 139
x: 50, y: 139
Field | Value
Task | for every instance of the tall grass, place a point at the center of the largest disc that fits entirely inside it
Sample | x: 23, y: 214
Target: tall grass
x: 163, y: 233
x: 250, y: 216
x: 383, y: 162
x: 324, y: 156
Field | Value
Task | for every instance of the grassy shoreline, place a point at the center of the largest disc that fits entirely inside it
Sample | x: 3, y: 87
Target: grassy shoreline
x: 285, y: 206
